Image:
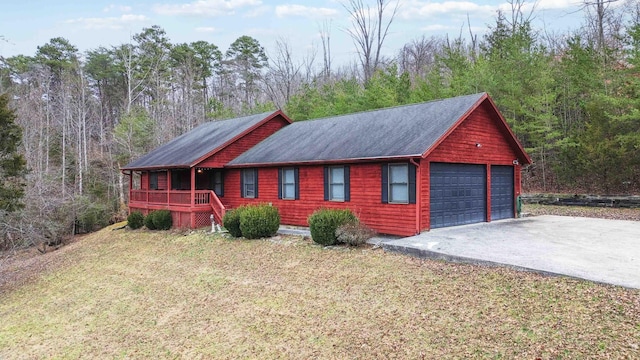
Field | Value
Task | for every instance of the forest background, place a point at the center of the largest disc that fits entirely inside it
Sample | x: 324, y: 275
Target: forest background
x: 571, y: 99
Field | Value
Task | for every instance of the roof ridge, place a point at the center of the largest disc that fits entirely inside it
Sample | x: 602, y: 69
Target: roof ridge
x: 388, y: 108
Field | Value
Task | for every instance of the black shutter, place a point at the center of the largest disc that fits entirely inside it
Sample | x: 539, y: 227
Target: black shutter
x: 280, y: 183
x: 326, y: 183
x: 385, y: 183
x: 412, y: 184
x: 242, y: 182
x: 296, y: 178
x: 347, y: 184
x: 255, y: 180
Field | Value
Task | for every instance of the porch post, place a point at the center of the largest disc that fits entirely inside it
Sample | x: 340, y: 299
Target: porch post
x: 193, y: 197
x: 168, y: 187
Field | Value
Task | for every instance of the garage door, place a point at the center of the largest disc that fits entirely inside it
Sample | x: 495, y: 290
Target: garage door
x: 501, y: 192
x: 458, y: 194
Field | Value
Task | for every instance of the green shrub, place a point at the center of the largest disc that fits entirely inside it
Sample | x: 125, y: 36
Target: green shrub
x: 324, y: 222
x: 135, y: 220
x: 148, y: 221
x: 162, y: 219
x: 354, y: 233
x: 258, y: 221
x: 231, y: 221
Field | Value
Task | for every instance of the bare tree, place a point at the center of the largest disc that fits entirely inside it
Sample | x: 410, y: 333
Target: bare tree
x: 369, y: 30
x: 283, y: 77
x: 418, y: 57
x: 602, y: 20
x: 325, y: 37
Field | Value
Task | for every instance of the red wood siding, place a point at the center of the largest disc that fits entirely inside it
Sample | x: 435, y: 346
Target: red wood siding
x: 482, y: 128
x: 144, y: 180
x: 479, y: 128
x: 397, y: 219
x: 243, y: 144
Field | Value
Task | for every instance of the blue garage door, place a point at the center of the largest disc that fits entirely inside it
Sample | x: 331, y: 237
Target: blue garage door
x: 501, y: 192
x: 458, y: 194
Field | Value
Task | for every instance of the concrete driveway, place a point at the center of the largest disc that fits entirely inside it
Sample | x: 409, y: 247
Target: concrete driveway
x: 606, y: 251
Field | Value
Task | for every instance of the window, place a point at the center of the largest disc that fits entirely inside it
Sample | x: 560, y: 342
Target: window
x: 217, y: 183
x: 153, y: 181
x: 288, y: 184
x: 249, y: 183
x: 399, y: 183
x: 336, y: 183
x: 158, y: 180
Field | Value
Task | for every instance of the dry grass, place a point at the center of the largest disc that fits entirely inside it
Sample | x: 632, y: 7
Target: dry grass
x: 135, y: 294
x: 583, y: 211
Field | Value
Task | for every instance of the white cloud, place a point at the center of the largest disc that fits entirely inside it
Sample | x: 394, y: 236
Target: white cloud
x: 205, y: 7
x: 422, y: 9
x: 206, y: 29
x: 114, y: 23
x: 121, y: 8
x: 304, y: 11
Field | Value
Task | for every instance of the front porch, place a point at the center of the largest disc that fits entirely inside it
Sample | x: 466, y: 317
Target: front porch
x: 190, y: 194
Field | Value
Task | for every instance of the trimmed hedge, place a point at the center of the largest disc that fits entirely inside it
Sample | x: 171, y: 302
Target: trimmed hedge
x: 231, y: 221
x: 148, y: 221
x: 323, y: 224
x: 162, y: 219
x: 135, y: 220
x: 258, y: 221
x: 158, y: 220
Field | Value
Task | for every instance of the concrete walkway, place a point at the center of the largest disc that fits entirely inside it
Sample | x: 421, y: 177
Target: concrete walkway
x: 600, y: 250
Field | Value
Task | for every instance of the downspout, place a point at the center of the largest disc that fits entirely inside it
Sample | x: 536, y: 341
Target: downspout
x: 418, y: 199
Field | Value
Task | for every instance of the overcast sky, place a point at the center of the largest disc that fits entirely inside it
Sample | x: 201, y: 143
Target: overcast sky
x: 88, y: 24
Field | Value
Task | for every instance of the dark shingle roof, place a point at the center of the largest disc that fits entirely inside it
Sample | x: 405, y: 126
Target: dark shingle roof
x: 187, y: 148
x: 401, y: 131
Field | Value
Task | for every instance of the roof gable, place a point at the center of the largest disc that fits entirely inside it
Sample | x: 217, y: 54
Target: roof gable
x: 403, y: 131
x: 191, y: 147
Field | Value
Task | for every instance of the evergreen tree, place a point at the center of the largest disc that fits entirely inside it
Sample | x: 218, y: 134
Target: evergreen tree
x: 12, y: 164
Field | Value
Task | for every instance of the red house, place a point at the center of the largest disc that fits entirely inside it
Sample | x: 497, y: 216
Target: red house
x: 187, y: 176
x: 401, y: 170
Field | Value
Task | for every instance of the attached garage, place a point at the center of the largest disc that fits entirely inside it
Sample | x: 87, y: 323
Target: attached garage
x: 502, y: 193
x: 458, y: 194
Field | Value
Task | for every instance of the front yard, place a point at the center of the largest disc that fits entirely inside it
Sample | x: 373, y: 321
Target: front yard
x: 139, y: 294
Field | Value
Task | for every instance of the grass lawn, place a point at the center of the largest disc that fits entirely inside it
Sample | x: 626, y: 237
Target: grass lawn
x: 139, y: 294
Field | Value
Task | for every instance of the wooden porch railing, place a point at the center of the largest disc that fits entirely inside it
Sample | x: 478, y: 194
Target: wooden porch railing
x: 173, y: 197
x: 181, y: 197
x: 217, y: 206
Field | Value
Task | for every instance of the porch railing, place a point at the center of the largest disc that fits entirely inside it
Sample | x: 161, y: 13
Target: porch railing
x: 173, y: 197
x: 217, y: 206
x: 181, y: 197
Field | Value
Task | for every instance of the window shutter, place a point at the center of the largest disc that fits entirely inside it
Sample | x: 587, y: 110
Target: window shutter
x: 385, y: 183
x: 296, y: 178
x: 347, y: 184
x: 412, y: 184
x: 255, y: 179
x: 326, y: 183
x: 242, y: 182
x: 280, y: 183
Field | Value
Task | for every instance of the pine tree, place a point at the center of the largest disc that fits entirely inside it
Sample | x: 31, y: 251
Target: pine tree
x: 12, y: 164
